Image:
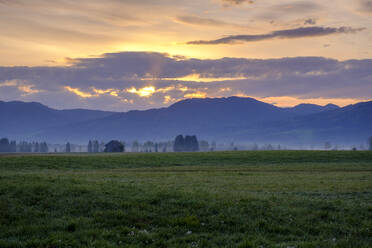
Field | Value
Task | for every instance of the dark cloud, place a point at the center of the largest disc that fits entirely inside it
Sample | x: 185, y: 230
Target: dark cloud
x: 310, y: 21
x: 105, y: 80
x: 366, y: 6
x: 302, y: 32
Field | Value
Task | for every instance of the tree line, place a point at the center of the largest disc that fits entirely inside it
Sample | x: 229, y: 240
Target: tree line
x: 94, y: 146
x: 181, y: 143
x: 23, y: 146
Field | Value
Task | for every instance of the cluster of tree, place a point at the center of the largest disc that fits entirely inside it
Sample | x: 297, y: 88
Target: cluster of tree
x: 186, y: 144
x: 150, y: 146
x: 33, y: 147
x: 94, y: 146
x: 370, y: 143
x: 6, y: 146
x: 266, y: 147
x: 12, y: 146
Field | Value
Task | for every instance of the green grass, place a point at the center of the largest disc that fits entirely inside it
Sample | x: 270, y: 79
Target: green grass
x: 221, y: 199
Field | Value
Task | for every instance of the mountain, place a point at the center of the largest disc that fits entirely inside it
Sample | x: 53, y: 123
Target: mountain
x: 209, y: 117
x: 345, y: 125
x: 307, y: 109
x: 24, y: 120
x: 222, y: 119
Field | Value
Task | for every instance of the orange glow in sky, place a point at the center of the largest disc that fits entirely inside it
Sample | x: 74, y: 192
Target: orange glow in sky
x: 79, y: 50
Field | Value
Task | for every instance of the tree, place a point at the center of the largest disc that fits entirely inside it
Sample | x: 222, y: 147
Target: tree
x: 124, y: 144
x: 29, y: 147
x: 194, y: 145
x: 90, y: 146
x: 22, y: 146
x: 135, y: 146
x: 25, y: 146
x: 204, y: 145
x: 4, y: 145
x: 163, y: 146
x: 269, y: 147
x: 327, y: 145
x: 68, y: 147
x: 188, y: 145
x: 232, y: 146
x: 13, y: 146
x: 169, y: 145
x: 44, y: 147
x: 36, y: 147
x: 95, y: 146
x: 213, y: 146
x: 101, y: 147
x: 147, y: 146
x: 255, y: 147
x: 370, y: 143
x: 179, y: 144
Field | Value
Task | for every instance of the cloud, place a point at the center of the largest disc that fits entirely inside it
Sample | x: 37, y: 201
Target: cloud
x: 365, y: 6
x: 197, y: 94
x: 301, y: 32
x: 8, y: 83
x: 48, y: 33
x: 200, y: 21
x: 28, y: 89
x: 21, y: 85
x: 310, y: 21
x: 144, y: 92
x: 236, y: 2
x: 142, y: 80
x: 296, y: 7
x: 288, y: 11
x: 80, y: 93
x: 10, y: 2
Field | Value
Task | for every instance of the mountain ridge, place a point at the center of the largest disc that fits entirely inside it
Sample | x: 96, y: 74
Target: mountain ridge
x: 225, y: 119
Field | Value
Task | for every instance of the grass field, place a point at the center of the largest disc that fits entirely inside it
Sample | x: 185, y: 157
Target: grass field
x: 221, y: 199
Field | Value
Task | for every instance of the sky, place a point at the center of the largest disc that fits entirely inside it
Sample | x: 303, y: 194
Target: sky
x: 121, y: 55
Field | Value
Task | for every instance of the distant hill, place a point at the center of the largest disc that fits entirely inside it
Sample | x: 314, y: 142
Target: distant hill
x: 350, y: 124
x: 23, y: 120
x: 307, y: 109
x: 221, y: 119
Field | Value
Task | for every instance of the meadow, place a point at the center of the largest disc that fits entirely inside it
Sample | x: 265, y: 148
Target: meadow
x: 218, y: 199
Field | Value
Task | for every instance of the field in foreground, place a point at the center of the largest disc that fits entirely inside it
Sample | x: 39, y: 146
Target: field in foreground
x: 221, y: 199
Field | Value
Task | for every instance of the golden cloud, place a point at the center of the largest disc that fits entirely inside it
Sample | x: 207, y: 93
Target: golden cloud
x: 197, y: 78
x: 143, y: 92
x: 80, y: 93
x: 197, y: 94
x: 98, y: 92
